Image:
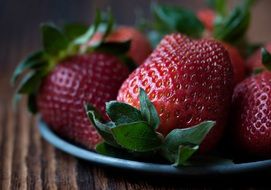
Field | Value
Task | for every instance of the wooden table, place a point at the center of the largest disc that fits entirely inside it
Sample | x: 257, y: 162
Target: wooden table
x: 26, y: 160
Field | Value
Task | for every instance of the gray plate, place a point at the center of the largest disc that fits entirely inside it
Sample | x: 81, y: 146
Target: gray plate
x: 149, y: 168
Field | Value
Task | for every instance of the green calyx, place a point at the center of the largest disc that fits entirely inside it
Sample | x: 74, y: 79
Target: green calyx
x: 266, y: 62
x: 131, y: 133
x: 266, y: 58
x: 229, y: 26
x: 168, y: 19
x: 61, y: 43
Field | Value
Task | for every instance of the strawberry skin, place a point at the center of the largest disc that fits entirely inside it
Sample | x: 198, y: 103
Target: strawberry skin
x: 207, y: 17
x: 188, y: 81
x: 238, y: 63
x: 94, y: 78
x: 140, y: 46
x: 252, y: 116
x: 255, y: 61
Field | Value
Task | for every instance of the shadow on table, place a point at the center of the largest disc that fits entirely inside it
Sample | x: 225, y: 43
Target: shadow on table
x: 138, y: 179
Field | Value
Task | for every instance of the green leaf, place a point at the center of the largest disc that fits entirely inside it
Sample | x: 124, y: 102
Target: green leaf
x: 188, y: 137
x: 148, y: 110
x: 30, y: 83
x: 53, y: 39
x: 108, y: 26
x: 115, y: 48
x: 266, y: 58
x: 105, y: 149
x: 74, y: 30
x: 103, y: 129
x: 137, y: 136
x: 121, y: 113
x: 234, y: 26
x: 176, y: 19
x: 34, y: 60
x: 184, y: 153
x: 108, y: 150
x: 251, y: 48
x: 32, y: 103
x: 257, y: 70
x: 90, y: 32
x: 155, y: 37
x: 220, y: 6
x: 128, y: 61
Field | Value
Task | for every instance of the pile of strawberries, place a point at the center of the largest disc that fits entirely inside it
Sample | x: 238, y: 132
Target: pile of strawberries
x: 197, y: 85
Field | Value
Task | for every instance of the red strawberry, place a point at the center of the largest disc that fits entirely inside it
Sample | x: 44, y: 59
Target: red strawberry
x: 207, y: 17
x: 140, y: 46
x: 254, y: 61
x: 93, y: 78
x: 252, y: 116
x: 238, y: 63
x: 61, y: 79
x: 228, y: 28
x: 252, y: 112
x: 188, y: 81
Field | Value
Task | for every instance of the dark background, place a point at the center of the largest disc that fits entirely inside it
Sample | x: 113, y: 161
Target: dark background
x: 20, y: 20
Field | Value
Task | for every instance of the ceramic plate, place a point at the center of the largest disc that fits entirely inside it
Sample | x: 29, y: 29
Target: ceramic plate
x: 149, y: 168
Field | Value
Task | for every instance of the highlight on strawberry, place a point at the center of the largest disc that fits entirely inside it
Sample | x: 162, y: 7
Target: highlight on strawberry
x: 66, y: 73
x: 132, y: 133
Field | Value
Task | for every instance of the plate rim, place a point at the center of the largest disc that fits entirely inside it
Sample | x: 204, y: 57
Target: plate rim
x: 76, y: 151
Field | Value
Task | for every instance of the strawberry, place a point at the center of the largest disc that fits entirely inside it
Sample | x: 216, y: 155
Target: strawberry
x: 238, y: 63
x: 254, y: 61
x: 188, y: 81
x: 227, y: 27
x: 207, y: 17
x: 251, y: 112
x: 62, y: 77
x: 73, y: 82
x: 140, y: 46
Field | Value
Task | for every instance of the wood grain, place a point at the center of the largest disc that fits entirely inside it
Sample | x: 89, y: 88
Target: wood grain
x: 33, y: 159
x: 48, y: 166
x: 7, y: 149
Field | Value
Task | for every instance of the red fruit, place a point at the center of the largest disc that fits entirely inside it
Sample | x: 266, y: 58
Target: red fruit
x: 207, y: 17
x: 94, y: 78
x: 188, y: 81
x: 255, y: 60
x: 238, y: 63
x: 140, y: 46
x: 252, y: 114
x: 63, y: 77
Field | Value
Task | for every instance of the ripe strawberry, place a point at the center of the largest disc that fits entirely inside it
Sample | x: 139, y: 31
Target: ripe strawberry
x: 61, y: 79
x: 251, y: 113
x: 73, y: 82
x: 207, y: 17
x: 254, y: 61
x: 140, y: 46
x: 188, y: 81
x: 238, y: 63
